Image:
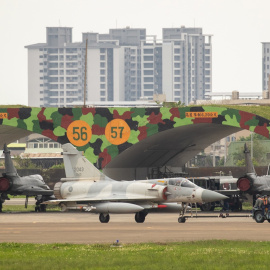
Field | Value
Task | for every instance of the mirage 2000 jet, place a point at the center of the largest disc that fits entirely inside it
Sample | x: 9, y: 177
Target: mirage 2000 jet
x: 86, y: 188
x: 12, y: 184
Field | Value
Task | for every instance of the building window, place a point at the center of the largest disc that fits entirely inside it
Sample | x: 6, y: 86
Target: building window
x: 148, y: 51
x: 102, y: 65
x: 102, y: 72
x: 148, y: 72
x: 177, y: 65
x: 102, y: 79
x: 148, y: 86
x: 148, y: 93
x: 148, y: 79
x: 176, y: 58
x: 102, y: 57
x: 148, y: 58
x: 177, y: 51
x: 148, y: 65
x: 102, y: 86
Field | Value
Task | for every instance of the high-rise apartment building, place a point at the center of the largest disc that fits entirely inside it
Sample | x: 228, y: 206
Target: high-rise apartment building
x: 56, y: 70
x: 187, y: 68
x: 123, y: 65
x: 265, y: 66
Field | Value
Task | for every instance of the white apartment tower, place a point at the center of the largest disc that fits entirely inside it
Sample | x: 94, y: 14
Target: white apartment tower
x: 186, y: 64
x: 56, y: 70
x: 123, y: 65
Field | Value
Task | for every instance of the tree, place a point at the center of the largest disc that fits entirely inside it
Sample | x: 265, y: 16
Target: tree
x: 24, y: 163
x: 256, y: 137
x: 259, y: 151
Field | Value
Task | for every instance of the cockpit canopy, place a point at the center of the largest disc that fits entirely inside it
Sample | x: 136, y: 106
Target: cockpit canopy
x: 181, y: 182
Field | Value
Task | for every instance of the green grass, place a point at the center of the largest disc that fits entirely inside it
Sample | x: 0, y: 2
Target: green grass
x: 30, y: 208
x: 217, y: 254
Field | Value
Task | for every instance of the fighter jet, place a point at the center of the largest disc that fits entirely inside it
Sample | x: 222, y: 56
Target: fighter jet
x: 251, y: 183
x: 86, y: 188
x: 12, y: 184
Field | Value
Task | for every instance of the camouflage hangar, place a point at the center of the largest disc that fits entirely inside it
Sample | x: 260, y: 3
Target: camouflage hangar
x: 127, y: 142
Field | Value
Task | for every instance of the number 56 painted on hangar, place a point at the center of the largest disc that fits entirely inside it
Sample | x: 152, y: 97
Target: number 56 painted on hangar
x: 79, y: 133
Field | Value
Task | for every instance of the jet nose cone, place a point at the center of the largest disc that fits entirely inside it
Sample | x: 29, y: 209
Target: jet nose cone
x: 212, y: 196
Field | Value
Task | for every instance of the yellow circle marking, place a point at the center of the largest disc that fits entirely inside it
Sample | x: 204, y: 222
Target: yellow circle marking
x: 117, y: 131
x: 79, y: 133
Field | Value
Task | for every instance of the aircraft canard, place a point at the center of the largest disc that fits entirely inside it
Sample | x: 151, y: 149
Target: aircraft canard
x: 89, y: 189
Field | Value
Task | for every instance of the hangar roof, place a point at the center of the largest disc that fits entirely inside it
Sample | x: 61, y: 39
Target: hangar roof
x: 155, y: 136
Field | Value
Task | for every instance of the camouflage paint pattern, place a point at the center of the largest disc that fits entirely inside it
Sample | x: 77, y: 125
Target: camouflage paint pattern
x: 143, y: 123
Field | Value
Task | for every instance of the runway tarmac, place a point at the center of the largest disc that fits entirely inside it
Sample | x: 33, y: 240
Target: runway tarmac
x: 58, y: 227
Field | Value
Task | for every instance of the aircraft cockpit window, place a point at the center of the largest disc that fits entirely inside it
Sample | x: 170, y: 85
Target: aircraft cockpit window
x: 175, y: 182
x: 188, y: 184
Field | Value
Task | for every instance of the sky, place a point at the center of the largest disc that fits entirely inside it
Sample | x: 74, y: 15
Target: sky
x: 238, y: 28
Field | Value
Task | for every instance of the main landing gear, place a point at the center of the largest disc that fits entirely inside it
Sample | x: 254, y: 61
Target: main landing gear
x: 140, y: 217
x: 182, y: 218
x: 104, y: 218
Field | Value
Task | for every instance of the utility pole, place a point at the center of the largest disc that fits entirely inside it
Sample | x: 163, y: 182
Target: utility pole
x: 251, y: 146
x: 85, y: 76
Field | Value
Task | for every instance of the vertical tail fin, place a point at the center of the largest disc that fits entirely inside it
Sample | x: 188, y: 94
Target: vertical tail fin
x: 249, y: 164
x: 77, y: 166
x: 9, y: 167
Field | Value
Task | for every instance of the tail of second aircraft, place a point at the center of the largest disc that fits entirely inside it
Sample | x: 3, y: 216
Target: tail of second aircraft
x: 78, y: 167
x: 249, y: 164
x: 10, y: 169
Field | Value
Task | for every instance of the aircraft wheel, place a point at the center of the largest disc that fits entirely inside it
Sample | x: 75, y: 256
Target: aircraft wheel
x: 259, y: 217
x: 42, y: 208
x: 181, y: 219
x: 104, y: 218
x: 207, y: 207
x: 140, y: 217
